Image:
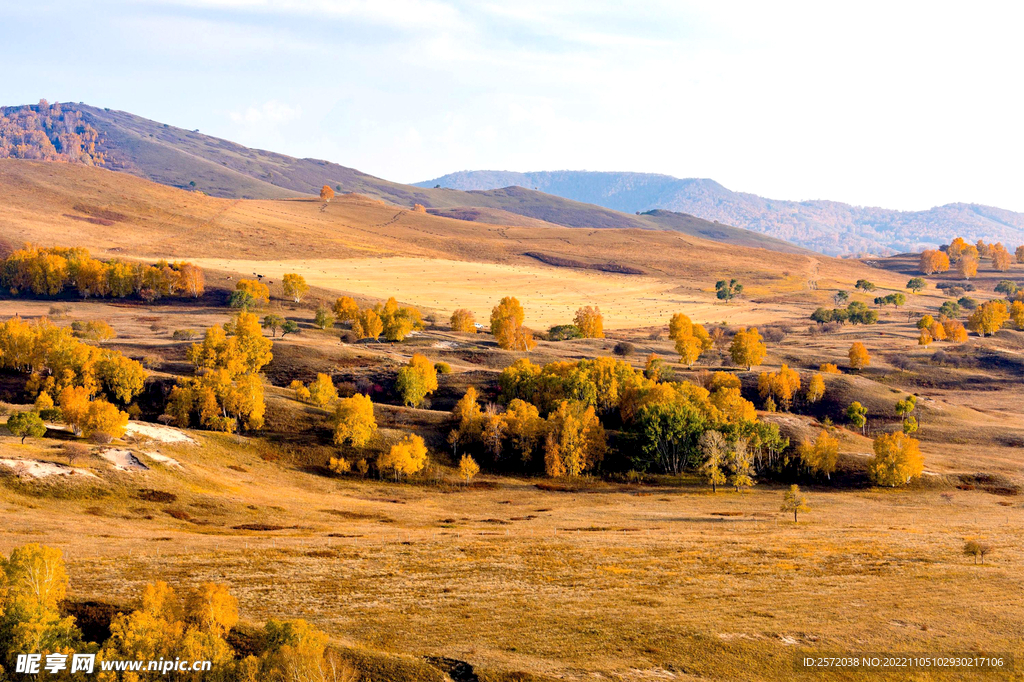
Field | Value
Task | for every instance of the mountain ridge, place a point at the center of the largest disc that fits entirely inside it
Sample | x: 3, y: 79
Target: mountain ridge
x: 185, y: 159
x: 830, y: 227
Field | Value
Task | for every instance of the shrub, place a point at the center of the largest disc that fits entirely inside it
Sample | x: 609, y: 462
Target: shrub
x: 183, y: 334
x: 443, y: 368
x: 563, y: 332
x: 624, y: 349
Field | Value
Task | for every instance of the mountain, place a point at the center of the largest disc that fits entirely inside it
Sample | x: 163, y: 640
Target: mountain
x: 187, y: 159
x: 829, y: 227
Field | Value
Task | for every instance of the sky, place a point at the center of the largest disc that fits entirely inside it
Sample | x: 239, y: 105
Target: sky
x: 902, y: 105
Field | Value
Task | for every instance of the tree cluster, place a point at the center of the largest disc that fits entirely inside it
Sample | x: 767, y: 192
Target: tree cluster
x: 48, y: 132
x: 164, y: 624
x: 52, y: 271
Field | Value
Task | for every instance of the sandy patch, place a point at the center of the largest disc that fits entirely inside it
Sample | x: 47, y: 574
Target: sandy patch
x: 550, y: 295
x: 123, y: 460
x: 30, y: 468
x: 163, y: 459
x: 160, y: 434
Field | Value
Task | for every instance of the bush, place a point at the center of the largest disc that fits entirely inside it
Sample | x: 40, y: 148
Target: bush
x: 773, y: 334
x: 563, y: 332
x: 349, y: 337
x: 624, y: 349
x: 443, y: 368
x: 900, y: 362
x: 968, y: 303
x: 183, y: 334
x: 101, y: 437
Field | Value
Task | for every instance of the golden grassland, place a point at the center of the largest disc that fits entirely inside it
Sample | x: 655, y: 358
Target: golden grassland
x: 580, y: 581
x: 594, y: 581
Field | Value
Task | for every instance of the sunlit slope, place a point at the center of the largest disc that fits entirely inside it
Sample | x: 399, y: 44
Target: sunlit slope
x: 117, y: 214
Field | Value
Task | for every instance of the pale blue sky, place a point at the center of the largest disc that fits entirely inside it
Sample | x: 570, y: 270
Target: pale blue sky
x: 902, y: 105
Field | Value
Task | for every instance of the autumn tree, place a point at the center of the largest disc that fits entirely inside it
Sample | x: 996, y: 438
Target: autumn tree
x: 741, y: 465
x: 955, y: 331
x: 367, y: 325
x: 1017, y: 315
x: 781, y: 386
x: 1000, y: 257
x: 346, y: 309
x: 416, y: 380
x: 897, y: 460
x: 507, y: 326
x: 829, y: 368
x: 747, y: 348
x: 326, y: 194
x: 815, y: 388
x: 405, y: 458
x: 354, y: 423
x: 691, y: 339
x: 26, y: 424
x: 575, y: 440
x: 524, y: 426
x: 967, y: 267
x: 933, y: 261
x: 589, y: 321
x: 322, y: 391
x: 251, y: 290
x: 904, y: 408
x: 713, y: 448
x: 1019, y: 253
x: 397, y: 322
x: 462, y: 320
x: 859, y: 356
x: 294, y: 285
x: 821, y: 455
x: 794, y: 501
x: 988, y: 318
x: 468, y: 415
x: 468, y: 468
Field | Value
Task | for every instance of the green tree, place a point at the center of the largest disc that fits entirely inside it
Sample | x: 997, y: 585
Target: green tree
x: 273, y: 323
x: 727, y: 290
x: 917, y: 284
x: 324, y: 317
x: 25, y: 424
x: 858, y: 415
x: 416, y: 380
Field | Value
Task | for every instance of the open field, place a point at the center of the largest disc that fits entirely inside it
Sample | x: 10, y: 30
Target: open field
x: 527, y: 578
x: 551, y: 295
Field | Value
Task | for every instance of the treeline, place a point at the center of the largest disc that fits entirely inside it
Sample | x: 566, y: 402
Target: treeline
x: 52, y: 271
x: 165, y: 625
x: 48, y: 132
x: 966, y: 257
x: 71, y: 380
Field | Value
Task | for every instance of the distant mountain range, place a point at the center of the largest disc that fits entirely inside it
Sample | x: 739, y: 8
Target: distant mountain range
x: 187, y: 159
x: 829, y: 227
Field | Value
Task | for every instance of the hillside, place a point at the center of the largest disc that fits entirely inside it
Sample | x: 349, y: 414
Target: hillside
x: 186, y: 159
x: 829, y: 227
x: 364, y: 246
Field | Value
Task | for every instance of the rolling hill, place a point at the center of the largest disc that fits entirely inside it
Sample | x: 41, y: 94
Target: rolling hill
x: 826, y: 226
x: 187, y: 159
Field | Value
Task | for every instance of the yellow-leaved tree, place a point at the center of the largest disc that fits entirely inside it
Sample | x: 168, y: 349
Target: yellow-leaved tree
x: 295, y: 286
x: 462, y: 320
x: 815, y: 388
x: 416, y: 380
x: 859, y: 356
x: 897, y: 459
x: 354, y: 423
x: 780, y: 386
x: 575, y: 440
x: 747, y: 348
x: 405, y: 458
x: 691, y: 339
x: 988, y: 318
x: 468, y: 468
x: 822, y: 455
x: 322, y: 391
x: 367, y: 325
x: 507, y: 325
x: 590, y: 322
x: 346, y: 309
